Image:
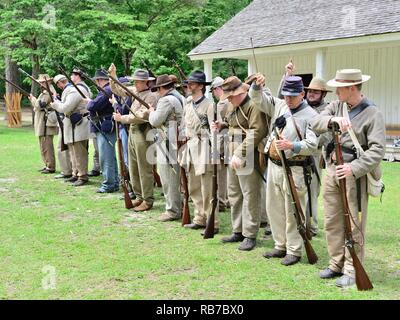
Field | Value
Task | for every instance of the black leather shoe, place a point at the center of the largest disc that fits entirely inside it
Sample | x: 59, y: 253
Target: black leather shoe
x: 247, y: 244
x: 80, y: 183
x: 47, y: 171
x: 62, y: 176
x: 194, y: 226
x: 290, y: 260
x: 329, y: 274
x: 275, y: 253
x: 216, y: 231
x: 93, y: 173
x: 71, y: 179
x: 234, y: 237
x: 263, y: 224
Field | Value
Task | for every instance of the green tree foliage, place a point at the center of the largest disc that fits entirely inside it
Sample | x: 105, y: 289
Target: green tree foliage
x: 40, y: 34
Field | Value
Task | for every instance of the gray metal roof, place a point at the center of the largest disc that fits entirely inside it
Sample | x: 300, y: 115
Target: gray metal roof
x: 278, y: 22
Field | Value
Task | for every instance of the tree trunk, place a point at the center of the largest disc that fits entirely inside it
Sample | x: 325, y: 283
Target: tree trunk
x: 11, y: 74
x: 35, y: 73
x: 127, y: 56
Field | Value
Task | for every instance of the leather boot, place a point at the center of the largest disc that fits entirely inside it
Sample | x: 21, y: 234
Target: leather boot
x: 247, y: 244
x: 275, y: 253
x: 144, y: 206
x: 290, y: 260
x: 137, y: 202
x: 234, y: 237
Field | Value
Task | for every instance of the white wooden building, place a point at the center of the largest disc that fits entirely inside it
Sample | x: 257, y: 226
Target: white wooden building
x: 320, y: 36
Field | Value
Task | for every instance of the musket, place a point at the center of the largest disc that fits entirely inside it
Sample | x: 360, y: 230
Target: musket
x: 24, y: 92
x: 123, y: 172
x: 362, y: 279
x: 32, y: 78
x: 60, y: 123
x: 181, y: 73
x: 185, y: 209
x: 209, y: 231
x: 87, y: 77
x: 254, y: 54
x: 298, y: 211
x: 84, y: 97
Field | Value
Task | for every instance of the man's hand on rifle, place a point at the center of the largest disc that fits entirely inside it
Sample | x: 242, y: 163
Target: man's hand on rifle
x: 343, y: 123
x: 260, y: 80
x: 117, y: 116
x: 112, y: 70
x: 113, y: 100
x: 236, y: 162
x: 284, y: 144
x: 343, y: 171
x: 289, y: 68
x: 31, y: 97
x: 216, y: 126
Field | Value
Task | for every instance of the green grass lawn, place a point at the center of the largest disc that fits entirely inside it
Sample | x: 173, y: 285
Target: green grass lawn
x: 100, y: 250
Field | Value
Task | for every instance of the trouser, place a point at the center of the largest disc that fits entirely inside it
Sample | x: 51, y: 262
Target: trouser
x: 123, y: 135
x: 280, y: 208
x: 170, y: 181
x: 200, y: 190
x: 47, y: 152
x: 79, y: 158
x: 96, y: 156
x: 340, y: 258
x: 315, y: 188
x: 141, y: 170
x: 222, y: 184
x: 108, y: 161
x: 244, y: 193
x: 263, y: 206
x: 64, y: 159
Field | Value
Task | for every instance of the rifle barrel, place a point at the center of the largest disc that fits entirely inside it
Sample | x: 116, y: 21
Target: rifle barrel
x: 24, y: 92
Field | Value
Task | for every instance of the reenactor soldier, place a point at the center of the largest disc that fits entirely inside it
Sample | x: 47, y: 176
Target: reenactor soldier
x: 76, y: 77
x: 247, y: 128
x: 167, y: 119
x: 195, y: 155
x: 298, y: 141
x: 140, y: 169
x: 316, y: 93
x: 358, y: 116
x: 45, y: 124
x: 101, y: 112
x: 76, y: 127
x: 223, y: 107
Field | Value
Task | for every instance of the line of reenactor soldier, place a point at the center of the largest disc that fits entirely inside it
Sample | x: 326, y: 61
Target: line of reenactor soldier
x: 270, y: 151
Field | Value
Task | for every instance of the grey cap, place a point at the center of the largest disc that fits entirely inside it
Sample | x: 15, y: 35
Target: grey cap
x: 217, y: 82
x: 142, y: 75
x: 59, y: 77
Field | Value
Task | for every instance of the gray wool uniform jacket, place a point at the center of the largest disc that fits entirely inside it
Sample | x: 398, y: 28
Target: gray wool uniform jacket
x: 369, y: 128
x: 275, y: 107
x: 72, y: 102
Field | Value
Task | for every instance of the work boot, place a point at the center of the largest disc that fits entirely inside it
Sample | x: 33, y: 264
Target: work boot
x: 80, y: 182
x: 234, y: 237
x: 71, y: 179
x: 275, y: 253
x: 345, y: 281
x: 329, y: 274
x: 137, y: 202
x: 247, y: 244
x: 47, y: 171
x: 144, y: 206
x: 290, y: 260
x: 194, y: 226
x: 40, y: 170
x: 166, y: 216
x: 63, y: 176
x: 93, y: 173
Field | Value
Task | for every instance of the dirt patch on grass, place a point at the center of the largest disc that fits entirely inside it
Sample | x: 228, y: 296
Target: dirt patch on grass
x: 65, y: 217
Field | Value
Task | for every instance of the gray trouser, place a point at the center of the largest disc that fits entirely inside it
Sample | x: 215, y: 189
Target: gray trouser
x: 96, y: 157
x: 244, y: 192
x: 170, y: 181
x: 64, y: 159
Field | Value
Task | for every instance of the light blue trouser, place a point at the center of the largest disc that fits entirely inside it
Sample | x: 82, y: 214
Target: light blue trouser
x: 108, y: 161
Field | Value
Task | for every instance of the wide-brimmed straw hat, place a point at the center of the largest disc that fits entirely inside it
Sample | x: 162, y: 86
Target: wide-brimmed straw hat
x: 44, y: 77
x: 233, y: 86
x: 318, y: 84
x: 141, y: 75
x: 347, y: 78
